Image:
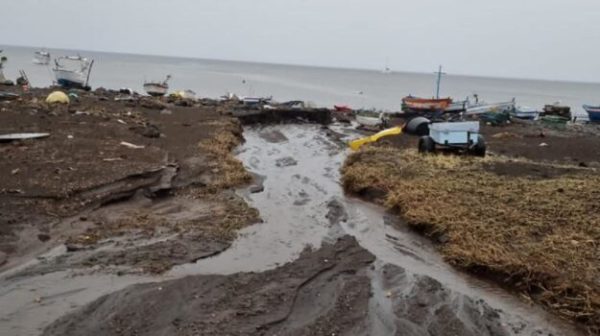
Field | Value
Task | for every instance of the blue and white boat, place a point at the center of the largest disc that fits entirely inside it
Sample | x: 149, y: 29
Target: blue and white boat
x: 72, y: 71
x: 593, y: 112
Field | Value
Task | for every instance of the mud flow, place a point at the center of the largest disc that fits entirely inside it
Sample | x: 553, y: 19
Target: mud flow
x: 302, y: 204
x: 298, y: 272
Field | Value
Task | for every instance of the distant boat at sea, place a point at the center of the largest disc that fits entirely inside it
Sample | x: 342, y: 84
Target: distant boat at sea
x: 72, y: 71
x: 41, y: 57
x: 157, y: 89
x: 593, y: 112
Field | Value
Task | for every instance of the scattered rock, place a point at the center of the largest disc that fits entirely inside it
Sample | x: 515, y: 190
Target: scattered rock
x: 286, y: 162
x: 43, y: 237
x: 3, y: 258
x: 254, y: 189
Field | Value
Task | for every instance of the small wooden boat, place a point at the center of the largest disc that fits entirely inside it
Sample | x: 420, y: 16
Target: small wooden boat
x: 157, y: 89
x: 72, y: 71
x: 41, y: 57
x: 593, y: 112
x: 371, y: 119
x: 524, y: 112
x: 482, y: 108
x: 422, y: 104
x: 457, y: 107
x: 342, y: 108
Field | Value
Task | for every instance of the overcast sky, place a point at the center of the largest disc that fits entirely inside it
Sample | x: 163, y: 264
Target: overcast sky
x: 549, y: 39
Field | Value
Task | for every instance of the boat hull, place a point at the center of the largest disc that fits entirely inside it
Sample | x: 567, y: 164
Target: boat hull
x: 368, y: 121
x: 156, y: 90
x: 487, y: 108
x: 69, y: 79
x: 420, y: 104
x: 593, y: 113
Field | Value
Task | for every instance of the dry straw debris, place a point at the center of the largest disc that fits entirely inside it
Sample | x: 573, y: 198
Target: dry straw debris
x: 230, y: 171
x: 541, y: 236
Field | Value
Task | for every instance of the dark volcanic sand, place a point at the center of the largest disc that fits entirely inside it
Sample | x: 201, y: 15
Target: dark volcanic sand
x: 325, y: 292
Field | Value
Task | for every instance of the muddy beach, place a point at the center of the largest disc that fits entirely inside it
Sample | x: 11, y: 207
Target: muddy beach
x: 219, y: 228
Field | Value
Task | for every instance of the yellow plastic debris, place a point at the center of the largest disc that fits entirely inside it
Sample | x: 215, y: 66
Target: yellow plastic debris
x: 356, y: 144
x: 57, y: 97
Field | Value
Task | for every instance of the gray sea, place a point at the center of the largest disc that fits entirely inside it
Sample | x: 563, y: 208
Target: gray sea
x: 323, y: 86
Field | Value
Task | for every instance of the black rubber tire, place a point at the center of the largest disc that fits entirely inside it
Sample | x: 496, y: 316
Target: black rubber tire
x: 480, y: 148
x: 426, y: 144
x: 418, y: 126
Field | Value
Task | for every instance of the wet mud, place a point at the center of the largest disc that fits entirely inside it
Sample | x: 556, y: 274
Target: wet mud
x: 318, y: 262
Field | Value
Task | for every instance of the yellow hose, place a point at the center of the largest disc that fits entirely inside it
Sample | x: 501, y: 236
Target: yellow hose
x: 356, y: 144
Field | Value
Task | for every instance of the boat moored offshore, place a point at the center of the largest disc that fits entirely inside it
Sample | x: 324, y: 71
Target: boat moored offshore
x: 41, y: 57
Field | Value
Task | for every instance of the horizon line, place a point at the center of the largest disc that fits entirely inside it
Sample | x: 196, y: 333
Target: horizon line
x: 306, y: 65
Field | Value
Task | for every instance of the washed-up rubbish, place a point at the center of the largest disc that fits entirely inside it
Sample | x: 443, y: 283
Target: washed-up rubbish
x: 22, y: 136
x: 8, y: 96
x: 356, y: 144
x: 73, y: 95
x: 57, y: 97
x: 132, y: 146
x: 543, y: 144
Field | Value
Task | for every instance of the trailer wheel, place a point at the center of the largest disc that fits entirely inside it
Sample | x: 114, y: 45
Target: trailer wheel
x: 426, y: 144
x: 480, y: 148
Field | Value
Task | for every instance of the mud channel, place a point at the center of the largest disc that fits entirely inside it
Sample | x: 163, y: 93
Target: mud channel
x: 319, y: 263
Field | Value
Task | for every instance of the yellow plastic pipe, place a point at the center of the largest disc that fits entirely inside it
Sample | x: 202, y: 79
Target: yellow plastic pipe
x: 356, y: 144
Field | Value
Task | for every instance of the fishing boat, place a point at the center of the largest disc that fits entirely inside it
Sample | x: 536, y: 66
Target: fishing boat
x: 524, y: 112
x: 342, y: 108
x: 593, y: 112
x: 157, y: 89
x: 481, y: 108
x: 371, y: 119
x: 41, y: 57
x: 72, y: 71
x: 457, y: 106
x: 414, y: 104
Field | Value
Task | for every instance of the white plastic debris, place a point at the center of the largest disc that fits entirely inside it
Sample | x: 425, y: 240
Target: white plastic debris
x: 132, y: 146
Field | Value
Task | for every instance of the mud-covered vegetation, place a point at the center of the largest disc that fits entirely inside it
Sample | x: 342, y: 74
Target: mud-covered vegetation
x: 539, y: 235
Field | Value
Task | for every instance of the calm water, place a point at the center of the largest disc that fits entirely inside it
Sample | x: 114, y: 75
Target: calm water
x: 324, y: 86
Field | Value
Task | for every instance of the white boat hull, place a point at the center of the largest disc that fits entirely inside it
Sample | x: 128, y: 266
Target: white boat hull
x: 485, y: 108
x: 368, y: 121
x: 41, y: 60
x: 69, y: 77
x: 154, y: 89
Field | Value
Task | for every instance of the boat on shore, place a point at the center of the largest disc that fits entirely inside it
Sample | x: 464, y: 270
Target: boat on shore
x: 72, y: 71
x: 593, y: 113
x: 416, y: 104
x: 157, y: 89
x: 370, y: 119
x: 481, y: 108
x: 41, y: 57
x: 526, y: 113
